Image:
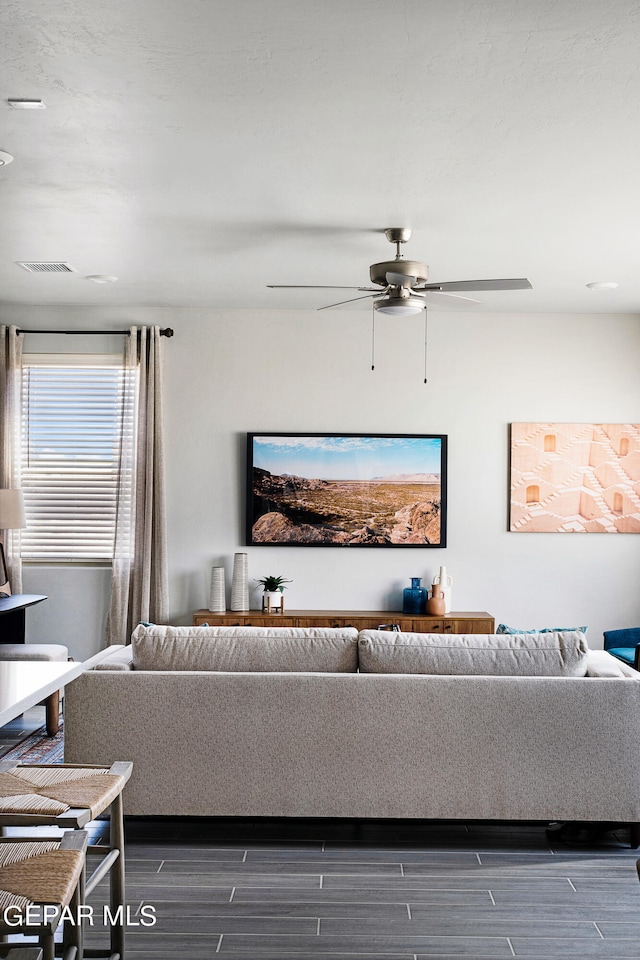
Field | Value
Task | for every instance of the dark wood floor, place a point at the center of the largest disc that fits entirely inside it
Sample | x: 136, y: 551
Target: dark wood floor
x: 394, y: 890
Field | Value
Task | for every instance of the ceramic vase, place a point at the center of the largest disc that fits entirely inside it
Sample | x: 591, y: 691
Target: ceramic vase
x: 445, y: 581
x: 414, y: 598
x: 240, y: 583
x: 217, y: 599
x: 435, y: 603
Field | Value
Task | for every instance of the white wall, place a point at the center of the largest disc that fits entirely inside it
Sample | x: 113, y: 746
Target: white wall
x: 236, y: 371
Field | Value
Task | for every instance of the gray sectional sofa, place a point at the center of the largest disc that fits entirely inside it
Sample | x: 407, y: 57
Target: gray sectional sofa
x: 328, y: 723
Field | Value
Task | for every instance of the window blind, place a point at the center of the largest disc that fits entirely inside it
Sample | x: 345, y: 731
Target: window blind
x: 74, y: 416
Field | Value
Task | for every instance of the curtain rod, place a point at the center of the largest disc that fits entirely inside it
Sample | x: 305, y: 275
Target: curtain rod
x: 164, y: 332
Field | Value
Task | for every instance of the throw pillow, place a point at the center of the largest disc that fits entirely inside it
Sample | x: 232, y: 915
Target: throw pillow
x: 603, y: 664
x: 503, y: 628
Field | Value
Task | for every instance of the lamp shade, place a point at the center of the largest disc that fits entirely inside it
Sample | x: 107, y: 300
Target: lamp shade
x: 12, y: 510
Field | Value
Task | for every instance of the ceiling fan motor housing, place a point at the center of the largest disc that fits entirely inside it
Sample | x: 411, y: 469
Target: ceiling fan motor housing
x: 406, y: 268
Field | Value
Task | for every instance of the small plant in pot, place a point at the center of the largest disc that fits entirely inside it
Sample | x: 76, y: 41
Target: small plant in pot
x: 272, y: 598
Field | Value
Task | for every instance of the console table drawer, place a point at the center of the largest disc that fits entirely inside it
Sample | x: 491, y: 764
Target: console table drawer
x: 469, y: 626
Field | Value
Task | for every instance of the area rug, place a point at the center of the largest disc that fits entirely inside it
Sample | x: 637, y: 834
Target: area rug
x: 39, y: 748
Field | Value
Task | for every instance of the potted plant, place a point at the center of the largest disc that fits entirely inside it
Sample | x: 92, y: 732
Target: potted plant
x: 272, y: 598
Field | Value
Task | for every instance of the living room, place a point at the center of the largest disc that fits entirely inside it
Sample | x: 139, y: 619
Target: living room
x: 203, y: 151
x: 485, y: 372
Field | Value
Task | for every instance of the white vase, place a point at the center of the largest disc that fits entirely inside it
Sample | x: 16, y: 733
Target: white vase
x: 240, y: 583
x: 217, y: 599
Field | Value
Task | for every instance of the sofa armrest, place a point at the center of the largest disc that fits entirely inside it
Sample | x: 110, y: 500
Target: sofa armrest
x: 115, y: 657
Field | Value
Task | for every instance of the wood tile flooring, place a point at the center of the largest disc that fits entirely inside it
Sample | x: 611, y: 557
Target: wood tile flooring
x: 394, y: 890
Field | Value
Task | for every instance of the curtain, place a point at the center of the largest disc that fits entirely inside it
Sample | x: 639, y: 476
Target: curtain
x: 10, y: 438
x: 139, y: 590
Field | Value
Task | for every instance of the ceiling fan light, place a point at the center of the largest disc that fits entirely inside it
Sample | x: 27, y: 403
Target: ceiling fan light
x: 400, y: 306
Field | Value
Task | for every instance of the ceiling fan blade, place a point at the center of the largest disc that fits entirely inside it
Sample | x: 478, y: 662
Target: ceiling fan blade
x: 438, y: 296
x: 353, y: 299
x: 519, y: 284
x: 400, y: 279
x: 308, y: 286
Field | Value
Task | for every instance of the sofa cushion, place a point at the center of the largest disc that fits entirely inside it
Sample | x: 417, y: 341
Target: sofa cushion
x: 623, y: 643
x: 121, y: 658
x: 562, y: 654
x: 254, y: 649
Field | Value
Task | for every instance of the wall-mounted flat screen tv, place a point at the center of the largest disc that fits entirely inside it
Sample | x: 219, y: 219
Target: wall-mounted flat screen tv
x: 346, y: 490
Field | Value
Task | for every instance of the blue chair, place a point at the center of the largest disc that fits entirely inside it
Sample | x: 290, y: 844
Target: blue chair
x: 625, y: 645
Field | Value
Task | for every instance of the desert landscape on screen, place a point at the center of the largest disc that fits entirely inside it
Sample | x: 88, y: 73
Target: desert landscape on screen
x: 388, y: 510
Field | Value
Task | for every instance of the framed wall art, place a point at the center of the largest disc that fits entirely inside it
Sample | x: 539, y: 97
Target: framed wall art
x: 346, y: 490
x: 575, y: 478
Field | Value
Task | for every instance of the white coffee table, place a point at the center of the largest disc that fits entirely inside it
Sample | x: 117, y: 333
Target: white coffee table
x: 24, y: 683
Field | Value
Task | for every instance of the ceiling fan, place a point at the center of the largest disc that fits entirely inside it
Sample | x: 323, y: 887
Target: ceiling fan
x: 401, y: 285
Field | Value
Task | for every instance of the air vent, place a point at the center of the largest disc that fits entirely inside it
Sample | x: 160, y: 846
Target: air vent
x: 45, y: 266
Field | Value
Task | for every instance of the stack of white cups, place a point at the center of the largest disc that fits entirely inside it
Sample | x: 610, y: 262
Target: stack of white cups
x: 217, y: 600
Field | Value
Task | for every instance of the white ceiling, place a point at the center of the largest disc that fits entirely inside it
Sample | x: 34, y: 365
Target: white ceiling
x: 201, y: 149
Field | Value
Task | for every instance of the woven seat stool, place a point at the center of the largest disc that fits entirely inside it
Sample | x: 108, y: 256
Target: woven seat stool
x: 40, y: 880
x: 25, y: 953
x: 69, y: 796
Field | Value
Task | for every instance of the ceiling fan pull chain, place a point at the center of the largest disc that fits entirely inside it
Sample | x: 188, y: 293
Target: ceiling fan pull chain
x: 425, y: 342
x: 373, y: 339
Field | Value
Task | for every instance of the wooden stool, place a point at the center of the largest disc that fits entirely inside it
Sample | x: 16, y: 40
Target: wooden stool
x: 38, y: 880
x: 69, y: 796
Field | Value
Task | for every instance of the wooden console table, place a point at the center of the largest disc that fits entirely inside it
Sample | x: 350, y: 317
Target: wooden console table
x: 453, y: 622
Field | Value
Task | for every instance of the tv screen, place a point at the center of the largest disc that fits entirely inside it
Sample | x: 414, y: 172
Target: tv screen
x: 346, y: 490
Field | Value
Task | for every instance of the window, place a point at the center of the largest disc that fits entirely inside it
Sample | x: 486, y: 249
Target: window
x: 72, y: 425
x: 533, y: 493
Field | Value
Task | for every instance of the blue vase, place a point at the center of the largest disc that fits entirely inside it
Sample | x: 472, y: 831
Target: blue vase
x: 414, y: 598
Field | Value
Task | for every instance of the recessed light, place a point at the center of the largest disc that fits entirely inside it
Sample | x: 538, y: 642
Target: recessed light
x: 27, y: 104
x: 101, y: 278
x: 5, y: 158
x: 603, y: 285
